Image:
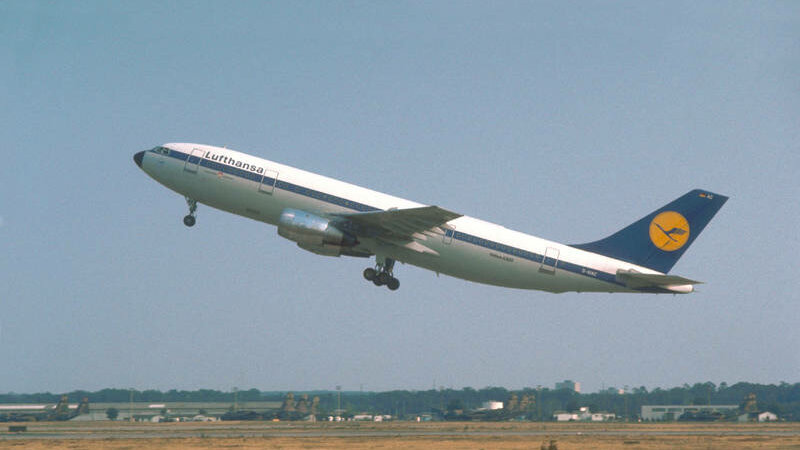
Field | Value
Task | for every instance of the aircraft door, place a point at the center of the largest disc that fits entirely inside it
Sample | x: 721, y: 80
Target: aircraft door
x: 549, y: 261
x: 449, y: 232
x: 193, y: 161
x: 268, y: 181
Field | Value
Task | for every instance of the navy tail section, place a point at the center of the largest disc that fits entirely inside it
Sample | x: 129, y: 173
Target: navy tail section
x: 659, y: 239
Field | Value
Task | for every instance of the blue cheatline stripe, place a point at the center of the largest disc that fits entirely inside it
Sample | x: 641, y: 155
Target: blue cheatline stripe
x: 534, y: 257
x: 286, y: 186
x: 356, y: 206
x: 322, y: 196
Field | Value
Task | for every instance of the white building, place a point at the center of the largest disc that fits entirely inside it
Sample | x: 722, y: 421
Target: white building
x: 563, y: 416
x: 765, y: 416
x: 584, y: 415
x: 602, y: 417
x: 492, y: 405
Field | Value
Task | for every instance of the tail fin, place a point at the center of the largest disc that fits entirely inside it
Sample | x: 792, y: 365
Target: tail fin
x: 659, y: 239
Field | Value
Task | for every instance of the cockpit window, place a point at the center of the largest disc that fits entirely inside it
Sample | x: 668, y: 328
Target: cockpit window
x: 161, y: 150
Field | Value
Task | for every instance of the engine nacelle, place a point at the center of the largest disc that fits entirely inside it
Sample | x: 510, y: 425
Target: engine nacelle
x: 324, y: 250
x: 313, y: 232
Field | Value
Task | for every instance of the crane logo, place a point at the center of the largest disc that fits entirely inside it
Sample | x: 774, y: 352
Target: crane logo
x: 669, y: 231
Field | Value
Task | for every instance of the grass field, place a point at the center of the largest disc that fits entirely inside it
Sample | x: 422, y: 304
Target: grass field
x: 401, y: 435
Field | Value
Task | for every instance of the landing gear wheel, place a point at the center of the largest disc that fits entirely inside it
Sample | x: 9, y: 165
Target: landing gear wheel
x: 381, y: 275
x: 189, y: 220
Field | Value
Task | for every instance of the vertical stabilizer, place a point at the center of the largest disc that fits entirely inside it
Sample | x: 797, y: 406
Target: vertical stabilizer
x: 659, y: 239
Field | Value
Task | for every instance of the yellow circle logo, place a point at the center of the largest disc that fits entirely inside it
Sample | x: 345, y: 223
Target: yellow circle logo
x: 669, y: 231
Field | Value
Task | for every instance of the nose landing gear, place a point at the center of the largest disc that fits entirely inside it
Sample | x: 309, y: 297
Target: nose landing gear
x: 190, y: 219
x: 381, y: 275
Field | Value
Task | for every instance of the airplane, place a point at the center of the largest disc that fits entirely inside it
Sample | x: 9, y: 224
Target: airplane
x: 333, y: 218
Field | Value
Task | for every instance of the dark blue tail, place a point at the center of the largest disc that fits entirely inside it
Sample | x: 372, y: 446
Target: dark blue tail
x: 659, y: 239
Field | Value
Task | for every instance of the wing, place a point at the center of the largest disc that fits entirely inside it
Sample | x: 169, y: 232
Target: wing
x: 398, y: 226
x: 636, y: 280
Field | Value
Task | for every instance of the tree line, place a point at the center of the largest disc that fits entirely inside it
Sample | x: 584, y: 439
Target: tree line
x: 527, y: 403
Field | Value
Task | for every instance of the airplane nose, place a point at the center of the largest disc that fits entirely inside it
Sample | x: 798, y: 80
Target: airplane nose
x: 138, y: 159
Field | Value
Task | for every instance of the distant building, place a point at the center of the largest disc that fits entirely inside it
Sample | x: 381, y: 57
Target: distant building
x: 765, y: 416
x: 584, y: 415
x: 602, y: 417
x: 569, y: 384
x: 140, y: 411
x: 492, y: 405
x: 614, y: 391
x: 563, y: 416
x: 674, y: 412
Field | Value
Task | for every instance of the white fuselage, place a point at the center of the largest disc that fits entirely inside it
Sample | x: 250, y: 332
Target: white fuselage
x: 473, y: 250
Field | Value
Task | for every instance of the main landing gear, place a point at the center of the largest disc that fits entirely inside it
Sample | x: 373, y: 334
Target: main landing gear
x: 381, y: 275
x: 190, y: 219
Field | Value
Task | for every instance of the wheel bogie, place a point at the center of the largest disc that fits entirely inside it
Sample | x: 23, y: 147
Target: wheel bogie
x: 381, y: 277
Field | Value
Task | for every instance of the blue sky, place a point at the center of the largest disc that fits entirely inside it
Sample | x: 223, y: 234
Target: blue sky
x: 567, y: 120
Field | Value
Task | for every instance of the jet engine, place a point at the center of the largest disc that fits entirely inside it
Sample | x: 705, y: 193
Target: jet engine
x: 314, y: 233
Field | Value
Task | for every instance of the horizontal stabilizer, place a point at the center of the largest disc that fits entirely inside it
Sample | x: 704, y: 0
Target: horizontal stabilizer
x: 636, y: 280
